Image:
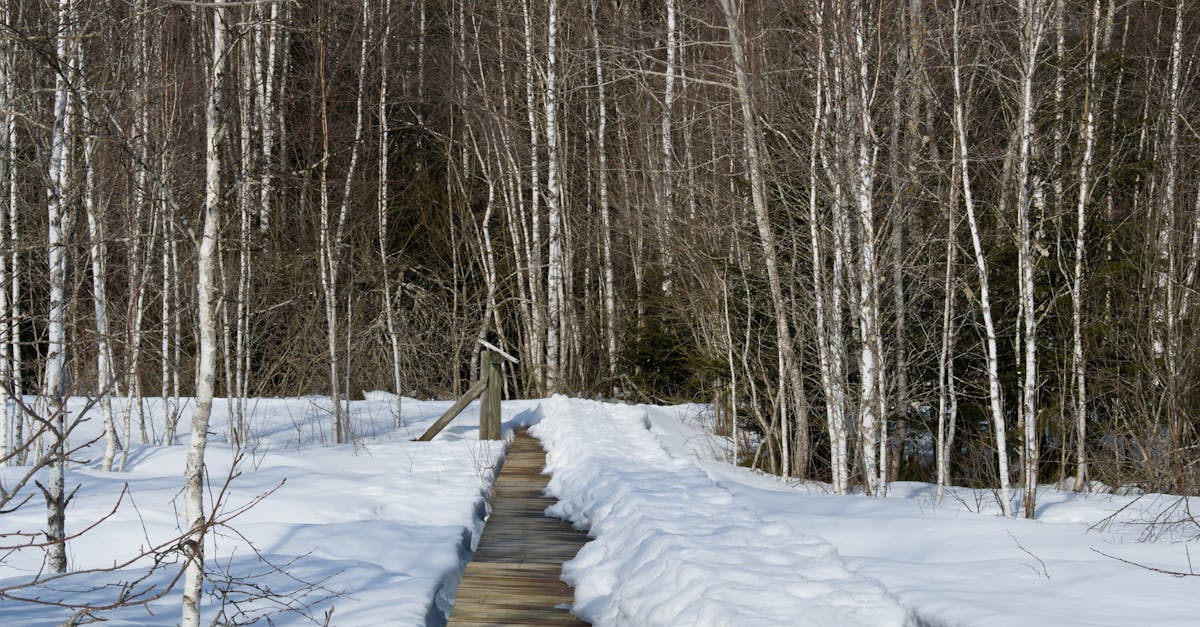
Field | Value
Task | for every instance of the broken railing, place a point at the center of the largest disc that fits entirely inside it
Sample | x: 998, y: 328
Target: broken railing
x: 487, y: 389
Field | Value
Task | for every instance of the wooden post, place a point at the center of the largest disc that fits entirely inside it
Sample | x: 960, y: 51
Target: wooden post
x: 489, y: 401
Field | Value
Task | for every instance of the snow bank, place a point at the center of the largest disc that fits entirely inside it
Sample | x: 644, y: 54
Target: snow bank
x: 672, y: 547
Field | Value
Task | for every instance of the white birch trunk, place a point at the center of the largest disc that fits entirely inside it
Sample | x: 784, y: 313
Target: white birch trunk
x: 610, y: 300
x: 14, y: 266
x: 827, y: 297
x: 666, y: 181
x: 534, y: 248
x: 1027, y: 189
x: 947, y: 398
x: 206, y: 375
x: 7, y: 165
x: 169, y: 288
x: 53, y: 400
x: 13, y: 321
x: 985, y: 306
x: 382, y: 211
x: 266, y: 108
x: 98, y: 253
x: 554, y: 261
x: 1163, y: 322
x: 758, y: 192
x: 1078, y: 365
x: 870, y: 363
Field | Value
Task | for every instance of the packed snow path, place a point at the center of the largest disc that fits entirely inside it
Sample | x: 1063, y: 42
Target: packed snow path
x: 514, y: 576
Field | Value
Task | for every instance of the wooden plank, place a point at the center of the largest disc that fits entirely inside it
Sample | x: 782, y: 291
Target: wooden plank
x: 514, y: 576
x: 454, y: 411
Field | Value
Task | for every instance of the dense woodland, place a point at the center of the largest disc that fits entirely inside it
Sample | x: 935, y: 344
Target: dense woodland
x: 939, y: 240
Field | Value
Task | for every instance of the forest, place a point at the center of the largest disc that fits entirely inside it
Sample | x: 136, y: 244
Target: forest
x: 936, y: 240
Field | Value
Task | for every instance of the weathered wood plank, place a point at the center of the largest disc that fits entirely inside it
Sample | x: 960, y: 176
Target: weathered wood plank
x: 513, y: 578
x: 455, y: 409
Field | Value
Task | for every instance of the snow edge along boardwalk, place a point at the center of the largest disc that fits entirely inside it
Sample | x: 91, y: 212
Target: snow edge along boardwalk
x: 513, y: 577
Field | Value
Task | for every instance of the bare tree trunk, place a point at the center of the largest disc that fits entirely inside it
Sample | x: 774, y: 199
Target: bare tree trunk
x: 389, y: 305
x: 169, y: 280
x: 827, y: 297
x: 266, y: 108
x: 554, y: 277
x: 1166, y: 322
x: 536, y: 304
x: 205, y: 378
x: 758, y: 192
x: 985, y: 306
x: 53, y: 402
x: 13, y: 321
x: 871, y: 408
x: 1078, y: 365
x: 610, y: 301
x: 98, y: 254
x: 7, y: 195
x: 947, y: 397
x: 332, y: 237
x: 1033, y: 14
x: 667, y: 178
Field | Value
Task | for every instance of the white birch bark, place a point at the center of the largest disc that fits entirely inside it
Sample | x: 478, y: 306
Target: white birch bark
x: 14, y: 266
x: 1163, y: 322
x: 137, y: 266
x: 985, y: 306
x: 828, y: 322
x: 947, y: 397
x: 266, y: 109
x: 610, y: 299
x: 167, y: 288
x: 1033, y: 16
x: 214, y: 117
x: 98, y: 254
x: 871, y: 398
x: 534, y: 248
x: 52, y: 403
x: 382, y: 212
x: 554, y: 259
x: 12, y: 321
x: 1078, y: 365
x: 667, y: 178
x: 7, y: 165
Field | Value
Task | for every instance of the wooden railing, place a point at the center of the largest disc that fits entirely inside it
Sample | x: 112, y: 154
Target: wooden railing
x: 487, y: 389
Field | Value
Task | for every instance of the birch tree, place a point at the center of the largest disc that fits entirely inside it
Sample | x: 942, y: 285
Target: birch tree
x: 1078, y: 365
x: 53, y: 398
x: 985, y: 306
x: 1033, y: 18
x: 554, y: 267
x: 610, y: 305
x: 197, y: 523
x: 752, y: 137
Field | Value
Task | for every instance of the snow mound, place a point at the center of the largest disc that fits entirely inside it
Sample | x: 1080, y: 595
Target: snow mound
x: 672, y: 547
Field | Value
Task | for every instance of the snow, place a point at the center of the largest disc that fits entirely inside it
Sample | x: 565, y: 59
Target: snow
x: 959, y: 563
x: 377, y: 532
x: 672, y: 547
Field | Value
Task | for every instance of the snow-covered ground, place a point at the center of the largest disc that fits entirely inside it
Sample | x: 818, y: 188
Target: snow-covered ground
x: 376, y: 532
x: 684, y: 538
x: 381, y: 527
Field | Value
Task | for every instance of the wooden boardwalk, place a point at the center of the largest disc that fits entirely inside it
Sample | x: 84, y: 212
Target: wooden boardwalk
x: 513, y: 578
